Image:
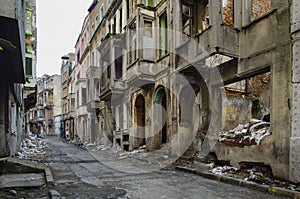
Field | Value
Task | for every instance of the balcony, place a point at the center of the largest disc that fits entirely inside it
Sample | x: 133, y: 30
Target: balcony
x: 93, y: 71
x: 208, y: 43
x: 141, y: 73
x: 92, y: 105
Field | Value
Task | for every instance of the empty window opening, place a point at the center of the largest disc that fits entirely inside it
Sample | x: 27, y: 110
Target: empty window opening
x: 186, y: 21
x: 227, y: 12
x: 259, y: 7
x: 163, y: 42
x: 118, y: 63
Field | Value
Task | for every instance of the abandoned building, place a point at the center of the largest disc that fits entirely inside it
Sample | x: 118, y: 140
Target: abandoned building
x: 216, y: 77
x: 12, y: 56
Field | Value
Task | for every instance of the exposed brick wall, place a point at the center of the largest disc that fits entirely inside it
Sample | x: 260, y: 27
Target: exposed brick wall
x: 227, y: 12
x: 259, y: 7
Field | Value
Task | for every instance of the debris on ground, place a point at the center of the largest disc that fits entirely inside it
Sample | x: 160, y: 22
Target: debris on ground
x: 255, y: 174
x: 245, y: 135
x: 32, y: 146
x: 221, y: 170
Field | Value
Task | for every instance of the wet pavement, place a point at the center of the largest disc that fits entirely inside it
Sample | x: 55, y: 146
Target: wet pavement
x: 82, y: 173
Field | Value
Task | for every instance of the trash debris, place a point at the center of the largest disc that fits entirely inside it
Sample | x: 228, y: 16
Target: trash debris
x: 221, y: 170
x: 32, y: 146
x: 245, y: 135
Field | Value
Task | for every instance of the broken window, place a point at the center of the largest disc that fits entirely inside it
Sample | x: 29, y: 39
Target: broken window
x: 118, y: 63
x: 227, y: 12
x: 202, y: 16
x: 246, y: 99
x: 148, y: 41
x: 259, y: 7
x: 186, y: 17
x: 163, y: 42
x: 132, y: 43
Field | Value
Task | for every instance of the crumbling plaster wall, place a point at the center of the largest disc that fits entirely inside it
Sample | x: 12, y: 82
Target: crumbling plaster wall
x: 260, y: 48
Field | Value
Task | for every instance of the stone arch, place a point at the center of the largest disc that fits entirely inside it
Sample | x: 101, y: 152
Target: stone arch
x: 140, y: 120
x: 160, y: 114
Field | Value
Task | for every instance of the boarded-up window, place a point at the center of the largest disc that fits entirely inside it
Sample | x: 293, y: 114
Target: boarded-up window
x: 259, y: 7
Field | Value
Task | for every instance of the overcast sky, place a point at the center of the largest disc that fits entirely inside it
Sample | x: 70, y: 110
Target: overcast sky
x: 59, y: 24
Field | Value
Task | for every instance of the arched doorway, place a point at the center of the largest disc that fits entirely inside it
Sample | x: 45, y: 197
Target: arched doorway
x: 140, y: 121
x: 160, y: 114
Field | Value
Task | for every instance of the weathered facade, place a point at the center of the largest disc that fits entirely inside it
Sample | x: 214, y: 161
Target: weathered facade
x: 12, y: 56
x: 175, y: 74
x: 82, y: 56
x: 48, y: 107
x: 68, y: 96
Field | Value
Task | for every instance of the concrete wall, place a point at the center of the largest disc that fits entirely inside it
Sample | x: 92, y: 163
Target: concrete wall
x: 295, y: 102
x: 57, y: 95
x: 260, y: 48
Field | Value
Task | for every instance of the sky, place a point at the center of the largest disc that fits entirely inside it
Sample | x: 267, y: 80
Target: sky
x: 59, y: 24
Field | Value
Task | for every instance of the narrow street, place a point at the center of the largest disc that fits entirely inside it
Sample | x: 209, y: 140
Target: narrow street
x: 82, y: 173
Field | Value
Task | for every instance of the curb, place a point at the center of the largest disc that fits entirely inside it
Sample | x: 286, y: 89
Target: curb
x: 248, y: 184
x: 48, y: 176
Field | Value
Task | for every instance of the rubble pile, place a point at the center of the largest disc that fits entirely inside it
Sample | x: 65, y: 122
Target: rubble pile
x: 245, y: 135
x: 256, y: 174
x: 32, y: 146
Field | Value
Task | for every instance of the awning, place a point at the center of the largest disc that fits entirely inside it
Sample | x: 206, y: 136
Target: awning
x: 11, y: 56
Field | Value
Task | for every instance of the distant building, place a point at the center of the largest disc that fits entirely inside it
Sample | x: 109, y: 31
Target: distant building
x: 47, y: 113
x: 68, y: 96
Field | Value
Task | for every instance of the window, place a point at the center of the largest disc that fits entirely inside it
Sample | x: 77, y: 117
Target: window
x: 148, y: 41
x: 227, y: 12
x: 186, y: 21
x: 259, y: 7
x: 28, y: 66
x: 132, y: 43
x: 96, y: 20
x: 96, y: 88
x: 72, y: 104
x: 93, y: 59
x: 78, y: 55
x: 65, y: 92
x: 114, y: 29
x: 118, y: 63
x: 149, y: 2
x: 121, y: 25
x: 101, y: 12
x: 163, y: 34
x: 83, y: 93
